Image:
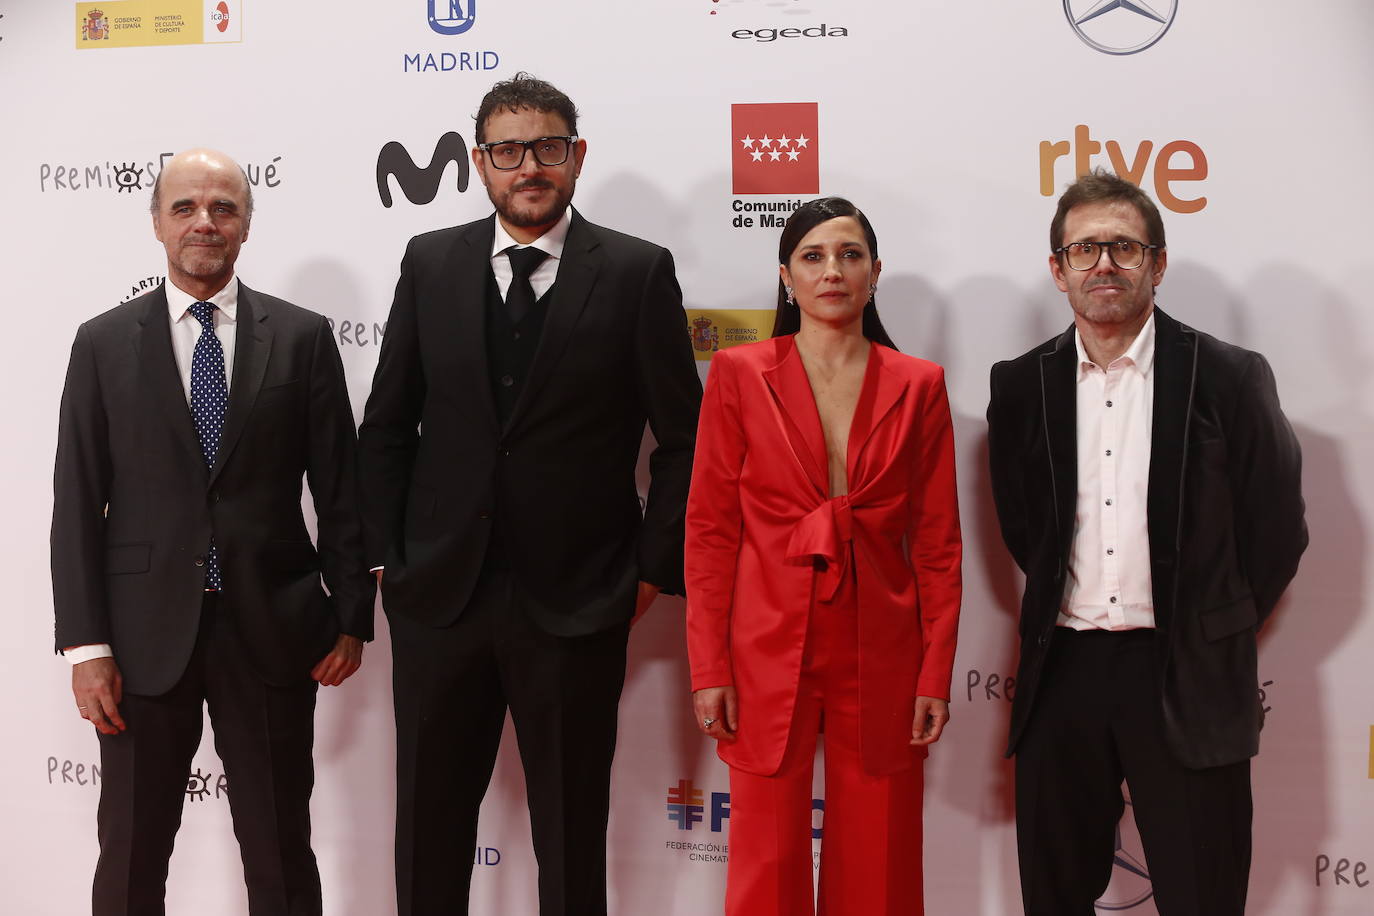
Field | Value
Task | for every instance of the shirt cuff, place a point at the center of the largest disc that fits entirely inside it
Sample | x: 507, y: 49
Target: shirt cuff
x: 78, y: 654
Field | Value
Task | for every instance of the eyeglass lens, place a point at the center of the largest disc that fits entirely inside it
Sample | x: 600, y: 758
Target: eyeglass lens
x: 1125, y: 254
x: 549, y: 151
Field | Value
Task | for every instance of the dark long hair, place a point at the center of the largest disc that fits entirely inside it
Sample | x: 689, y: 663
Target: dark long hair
x: 805, y: 218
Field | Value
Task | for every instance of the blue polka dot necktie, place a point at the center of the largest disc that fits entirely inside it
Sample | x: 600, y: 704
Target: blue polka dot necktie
x: 209, y: 401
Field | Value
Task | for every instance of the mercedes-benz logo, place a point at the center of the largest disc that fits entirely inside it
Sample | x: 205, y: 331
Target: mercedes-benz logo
x: 1130, y: 885
x: 1120, y: 26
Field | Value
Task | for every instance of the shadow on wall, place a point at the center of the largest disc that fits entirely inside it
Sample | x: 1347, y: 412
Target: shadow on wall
x: 1320, y: 364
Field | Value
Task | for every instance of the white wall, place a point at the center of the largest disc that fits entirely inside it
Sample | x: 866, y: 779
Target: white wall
x: 931, y: 117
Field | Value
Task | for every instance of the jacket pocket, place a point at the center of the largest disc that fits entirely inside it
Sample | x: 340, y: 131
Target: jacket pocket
x: 1229, y: 619
x: 121, y: 559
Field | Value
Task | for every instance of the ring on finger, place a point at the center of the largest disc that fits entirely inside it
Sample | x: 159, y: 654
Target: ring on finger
x: 707, y: 722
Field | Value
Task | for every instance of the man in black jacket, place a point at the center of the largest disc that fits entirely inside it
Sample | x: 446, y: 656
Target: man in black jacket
x: 183, y: 572
x: 523, y: 355
x: 1149, y: 486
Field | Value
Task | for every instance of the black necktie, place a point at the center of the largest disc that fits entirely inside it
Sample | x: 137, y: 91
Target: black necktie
x: 520, y: 296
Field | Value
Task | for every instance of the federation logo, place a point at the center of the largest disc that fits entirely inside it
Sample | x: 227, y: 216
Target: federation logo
x: 220, y: 16
x: 774, y: 148
x: 198, y: 786
x: 1120, y: 26
x: 95, y: 27
x: 452, y: 17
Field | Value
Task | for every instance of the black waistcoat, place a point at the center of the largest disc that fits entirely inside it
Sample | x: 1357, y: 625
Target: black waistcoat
x: 511, y: 347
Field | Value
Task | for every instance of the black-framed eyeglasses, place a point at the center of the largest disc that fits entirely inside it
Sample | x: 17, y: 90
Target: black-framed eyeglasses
x: 1127, y: 254
x: 510, y: 154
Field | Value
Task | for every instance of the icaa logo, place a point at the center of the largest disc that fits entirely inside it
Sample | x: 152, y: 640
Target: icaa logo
x: 452, y: 17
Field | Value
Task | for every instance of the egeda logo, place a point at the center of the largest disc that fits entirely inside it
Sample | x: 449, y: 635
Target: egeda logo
x: 421, y: 185
x: 452, y: 17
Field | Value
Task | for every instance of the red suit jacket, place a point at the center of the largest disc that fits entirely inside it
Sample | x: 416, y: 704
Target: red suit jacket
x: 759, y: 517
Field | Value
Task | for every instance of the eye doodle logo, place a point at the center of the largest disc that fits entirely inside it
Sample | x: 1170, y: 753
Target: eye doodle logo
x: 774, y: 149
x: 456, y: 20
x: 199, y: 786
x: 421, y: 185
x: 1119, y: 26
x: 128, y: 177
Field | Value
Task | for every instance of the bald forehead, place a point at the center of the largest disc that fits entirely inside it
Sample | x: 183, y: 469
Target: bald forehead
x: 196, y: 173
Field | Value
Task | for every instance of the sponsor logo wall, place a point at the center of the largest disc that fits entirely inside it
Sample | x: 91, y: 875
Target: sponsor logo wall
x: 709, y: 122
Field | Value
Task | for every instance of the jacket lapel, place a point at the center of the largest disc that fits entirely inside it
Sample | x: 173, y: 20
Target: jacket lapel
x: 1174, y: 374
x: 252, y: 348
x: 797, y: 406
x: 158, y: 369
x: 883, y: 389
x: 577, y: 271
x: 462, y: 281
x: 1059, y: 403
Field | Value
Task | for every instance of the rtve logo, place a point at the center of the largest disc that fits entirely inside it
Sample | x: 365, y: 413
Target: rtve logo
x: 1165, y: 172
x: 687, y: 808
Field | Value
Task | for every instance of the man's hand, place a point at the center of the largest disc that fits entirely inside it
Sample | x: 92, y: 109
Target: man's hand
x: 929, y: 721
x: 647, y: 593
x: 99, y: 687
x: 717, y: 712
x: 339, y: 665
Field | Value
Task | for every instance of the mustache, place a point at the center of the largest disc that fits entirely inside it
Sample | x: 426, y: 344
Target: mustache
x: 532, y: 184
x: 216, y: 241
x: 1105, y: 282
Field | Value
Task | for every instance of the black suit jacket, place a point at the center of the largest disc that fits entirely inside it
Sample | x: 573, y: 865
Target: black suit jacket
x: 1225, y: 522
x: 438, y: 467
x: 135, y: 506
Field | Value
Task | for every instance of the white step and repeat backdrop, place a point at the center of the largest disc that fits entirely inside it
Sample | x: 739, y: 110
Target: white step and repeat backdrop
x: 953, y: 125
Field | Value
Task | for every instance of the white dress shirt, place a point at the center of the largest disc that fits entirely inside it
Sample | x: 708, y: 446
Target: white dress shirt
x: 1109, y: 585
x: 185, y: 331
x: 551, y: 243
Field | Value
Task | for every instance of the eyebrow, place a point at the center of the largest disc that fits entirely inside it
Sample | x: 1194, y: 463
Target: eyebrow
x: 187, y: 202
x: 814, y: 246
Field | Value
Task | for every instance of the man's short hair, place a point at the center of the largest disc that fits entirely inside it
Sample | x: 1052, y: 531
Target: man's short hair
x: 1099, y: 186
x: 524, y: 91
x: 155, y: 200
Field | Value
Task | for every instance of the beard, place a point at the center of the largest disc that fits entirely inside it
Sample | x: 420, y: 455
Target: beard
x: 526, y: 215
x: 203, y: 260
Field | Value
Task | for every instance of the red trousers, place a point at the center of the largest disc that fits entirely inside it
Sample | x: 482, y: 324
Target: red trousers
x: 870, y: 862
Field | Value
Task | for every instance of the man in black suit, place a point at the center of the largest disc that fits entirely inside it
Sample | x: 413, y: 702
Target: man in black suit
x: 523, y: 355
x: 183, y: 572
x: 1149, y: 486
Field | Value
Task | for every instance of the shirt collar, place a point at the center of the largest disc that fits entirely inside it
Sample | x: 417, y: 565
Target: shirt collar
x: 226, y: 300
x: 1141, y: 352
x: 551, y: 242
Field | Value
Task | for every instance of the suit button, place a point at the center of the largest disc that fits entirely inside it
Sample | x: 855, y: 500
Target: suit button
x: 505, y: 453
x: 200, y: 559
x: 507, y: 381
x: 214, y: 496
x: 484, y: 514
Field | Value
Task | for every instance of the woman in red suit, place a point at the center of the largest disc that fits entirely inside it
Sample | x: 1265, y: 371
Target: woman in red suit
x: 823, y: 582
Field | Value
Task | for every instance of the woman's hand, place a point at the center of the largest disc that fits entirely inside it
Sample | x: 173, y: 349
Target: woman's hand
x: 717, y: 712
x: 929, y: 721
